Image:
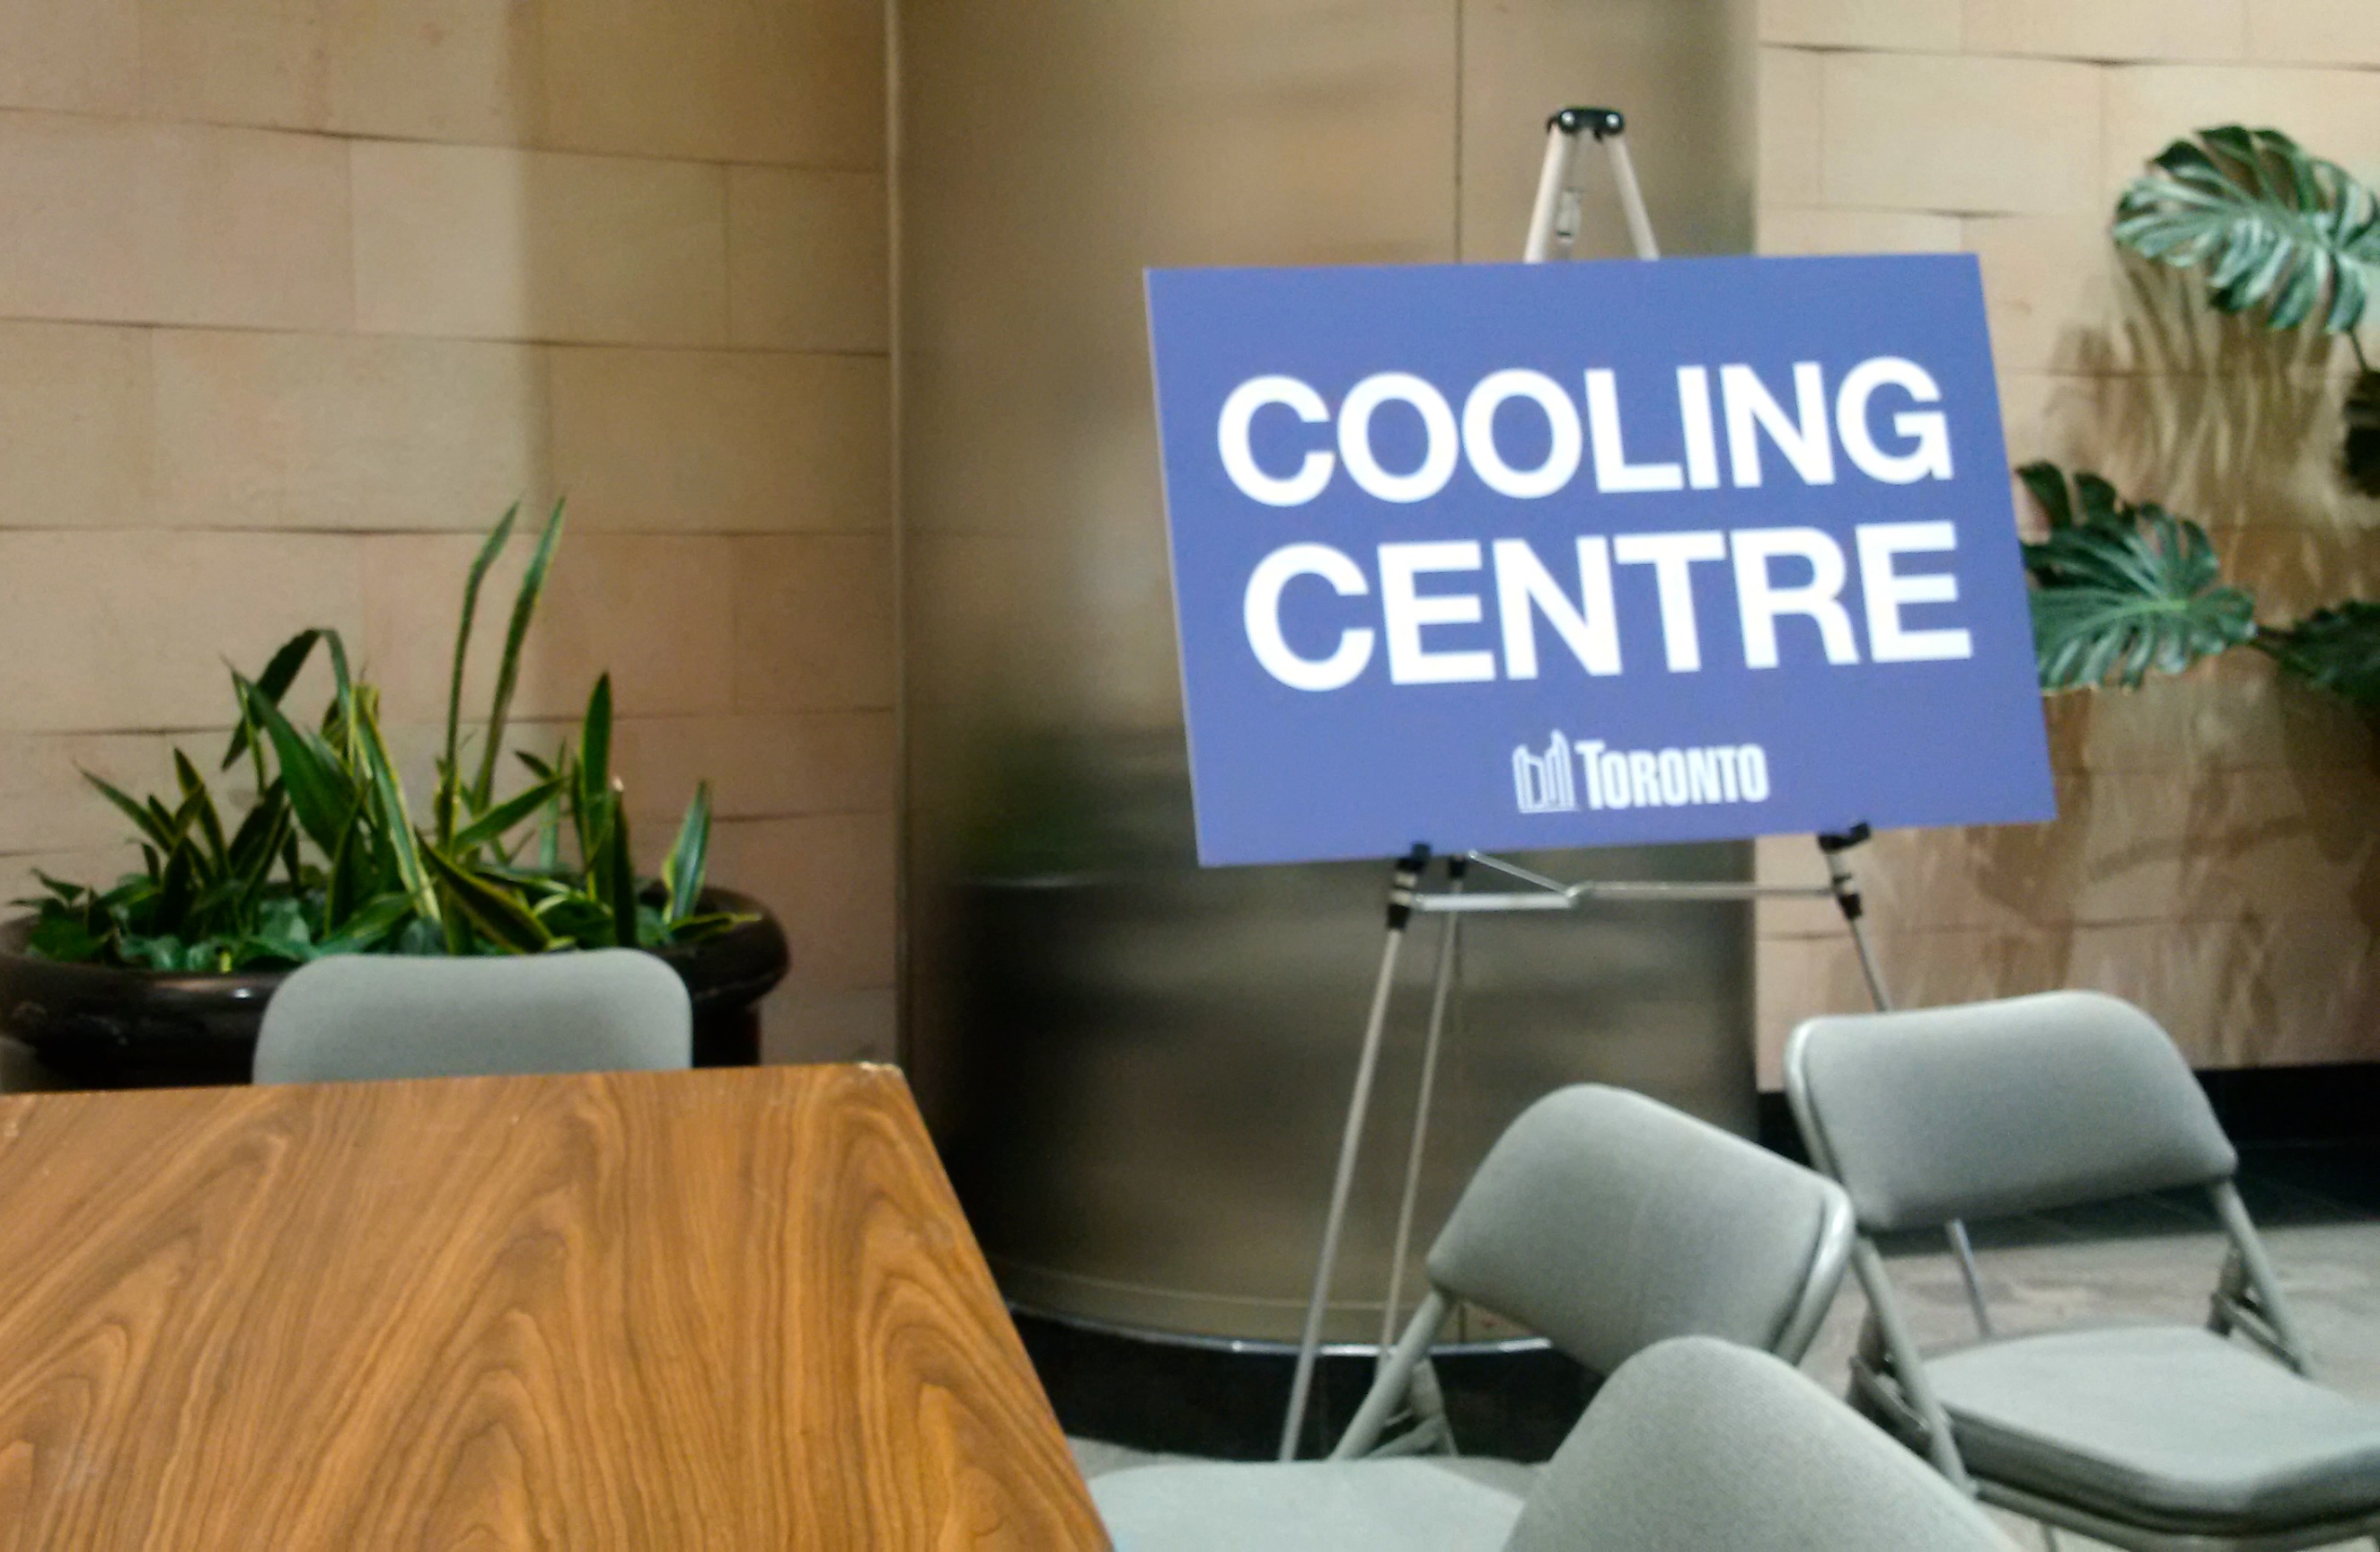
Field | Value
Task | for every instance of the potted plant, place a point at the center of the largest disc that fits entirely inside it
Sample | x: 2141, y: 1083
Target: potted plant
x: 163, y: 978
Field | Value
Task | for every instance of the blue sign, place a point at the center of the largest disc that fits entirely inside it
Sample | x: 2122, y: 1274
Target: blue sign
x: 1520, y: 556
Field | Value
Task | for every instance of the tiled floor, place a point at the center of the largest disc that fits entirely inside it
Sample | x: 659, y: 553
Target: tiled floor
x: 2319, y: 1211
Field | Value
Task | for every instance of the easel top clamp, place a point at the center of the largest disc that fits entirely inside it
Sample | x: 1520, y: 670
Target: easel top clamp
x: 1553, y: 231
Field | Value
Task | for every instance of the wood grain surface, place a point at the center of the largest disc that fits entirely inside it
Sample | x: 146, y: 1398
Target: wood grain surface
x: 731, y: 1309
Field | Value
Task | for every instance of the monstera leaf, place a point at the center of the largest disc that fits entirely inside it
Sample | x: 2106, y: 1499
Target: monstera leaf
x: 2275, y: 229
x: 2336, y: 650
x: 2126, y: 591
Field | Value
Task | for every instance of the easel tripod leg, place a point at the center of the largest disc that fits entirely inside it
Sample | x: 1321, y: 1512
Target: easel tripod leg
x: 1449, y: 945
x: 1847, y: 897
x: 1401, y: 892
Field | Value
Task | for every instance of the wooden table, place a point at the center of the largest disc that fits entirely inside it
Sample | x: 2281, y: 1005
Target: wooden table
x: 731, y: 1309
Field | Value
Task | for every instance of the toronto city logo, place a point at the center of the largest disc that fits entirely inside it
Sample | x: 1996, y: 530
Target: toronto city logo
x: 1553, y: 779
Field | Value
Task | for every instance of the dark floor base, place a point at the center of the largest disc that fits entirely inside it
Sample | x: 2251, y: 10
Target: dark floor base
x: 1225, y: 1400
x: 2336, y: 1102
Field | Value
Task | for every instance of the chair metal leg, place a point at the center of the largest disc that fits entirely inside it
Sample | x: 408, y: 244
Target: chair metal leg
x: 1391, y: 1385
x: 2254, y: 1303
x: 1908, y: 1366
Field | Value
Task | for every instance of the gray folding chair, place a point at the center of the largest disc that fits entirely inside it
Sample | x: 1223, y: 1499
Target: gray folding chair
x: 394, y: 1016
x: 1700, y: 1446
x: 2162, y: 1438
x: 1602, y: 1220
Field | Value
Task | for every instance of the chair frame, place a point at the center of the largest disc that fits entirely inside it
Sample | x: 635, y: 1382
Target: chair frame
x: 1405, y: 1377
x: 1888, y: 1381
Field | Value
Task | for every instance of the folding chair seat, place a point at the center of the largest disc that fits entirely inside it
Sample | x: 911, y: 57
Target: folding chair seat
x: 2179, y: 1426
x: 2157, y: 1437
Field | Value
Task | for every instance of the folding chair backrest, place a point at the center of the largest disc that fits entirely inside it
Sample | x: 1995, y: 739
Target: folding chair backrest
x: 1606, y: 1222
x: 1989, y: 1109
x: 396, y: 1016
x: 1696, y: 1445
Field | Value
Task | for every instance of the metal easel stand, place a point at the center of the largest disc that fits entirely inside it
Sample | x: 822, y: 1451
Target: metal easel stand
x: 1553, y: 230
x: 1553, y: 225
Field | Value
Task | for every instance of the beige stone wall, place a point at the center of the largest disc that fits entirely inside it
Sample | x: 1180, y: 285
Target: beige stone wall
x: 2215, y: 858
x: 296, y: 294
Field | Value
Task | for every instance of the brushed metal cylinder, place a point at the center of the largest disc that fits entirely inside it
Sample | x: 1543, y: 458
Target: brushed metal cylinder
x: 1137, y: 1068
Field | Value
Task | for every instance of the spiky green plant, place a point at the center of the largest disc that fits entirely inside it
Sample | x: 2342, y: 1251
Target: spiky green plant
x: 328, y: 858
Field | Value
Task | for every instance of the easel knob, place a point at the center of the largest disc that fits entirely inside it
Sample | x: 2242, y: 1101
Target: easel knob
x: 1844, y: 840
x: 1601, y: 122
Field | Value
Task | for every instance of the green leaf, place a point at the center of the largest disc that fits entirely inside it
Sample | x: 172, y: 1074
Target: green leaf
x: 179, y: 885
x: 2276, y: 230
x: 682, y: 870
x: 549, y: 830
x: 2100, y: 507
x: 2336, y: 650
x: 66, y: 939
x: 365, y: 929
x: 322, y: 794
x: 172, y: 824
x: 346, y: 699
x: 2048, y: 483
x: 156, y: 831
x: 67, y: 894
x: 150, y: 952
x: 257, y: 826
x: 693, y: 929
x: 395, y: 823
x: 494, y: 911
x: 611, y: 867
x: 252, y: 867
x: 279, y: 673
x: 492, y: 824
x: 576, y: 918
x: 2114, y: 603
x: 594, y: 772
x: 196, y: 797
x: 447, y: 778
x: 349, y: 879
x: 537, y: 888
x: 508, y: 669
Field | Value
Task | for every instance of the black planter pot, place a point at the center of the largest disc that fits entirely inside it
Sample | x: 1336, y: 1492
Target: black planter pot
x: 100, y: 1027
